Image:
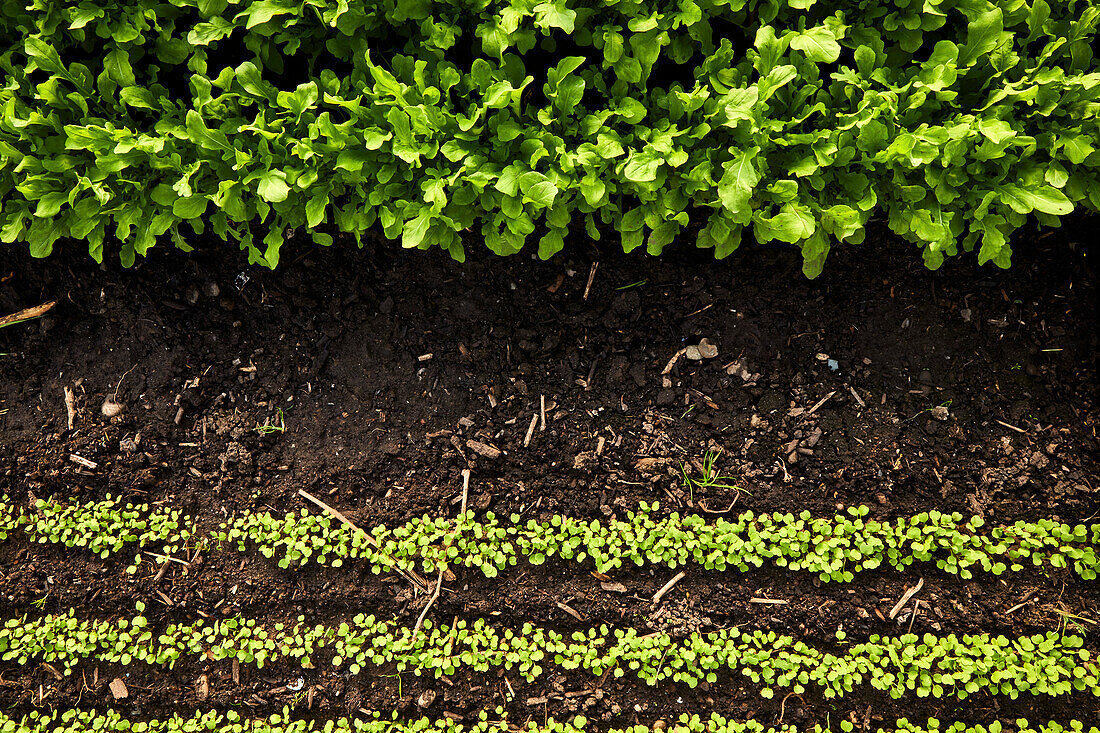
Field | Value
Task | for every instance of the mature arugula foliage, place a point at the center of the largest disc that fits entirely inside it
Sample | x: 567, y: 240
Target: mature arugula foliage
x: 795, y: 119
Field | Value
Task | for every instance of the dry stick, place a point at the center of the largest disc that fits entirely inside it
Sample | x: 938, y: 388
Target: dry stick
x: 465, y: 487
x: 409, y: 575
x: 770, y: 601
x: 668, y: 586
x: 420, y: 621
x: 820, y: 402
x: 70, y: 406
x: 591, y: 277
x: 542, y: 412
x: 26, y: 314
x: 856, y: 395
x: 905, y: 598
x: 530, y: 431
x: 1010, y: 427
x: 913, y: 617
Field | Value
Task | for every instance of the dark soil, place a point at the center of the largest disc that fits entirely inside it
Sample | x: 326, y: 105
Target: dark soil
x: 395, y: 371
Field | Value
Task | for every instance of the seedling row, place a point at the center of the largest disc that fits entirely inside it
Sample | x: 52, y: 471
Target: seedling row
x: 111, y: 721
x: 835, y: 548
x: 928, y: 666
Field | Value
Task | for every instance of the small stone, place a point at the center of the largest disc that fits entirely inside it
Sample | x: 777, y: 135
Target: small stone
x: 192, y: 296
x: 427, y: 697
x: 613, y: 587
x: 110, y: 408
x: 705, y: 350
x: 940, y: 412
x: 211, y: 289
x: 127, y: 445
x: 118, y: 689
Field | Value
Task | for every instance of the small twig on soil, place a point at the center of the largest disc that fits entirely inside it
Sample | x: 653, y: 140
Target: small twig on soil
x: 856, y: 395
x: 26, y: 314
x: 70, y: 406
x: 530, y: 431
x: 82, y: 461
x: 409, y: 575
x: 913, y: 616
x: 435, y: 595
x: 465, y: 488
x: 668, y: 586
x: 1010, y: 427
x: 591, y: 277
x: 769, y: 601
x: 542, y: 413
x: 783, y: 706
x: 820, y: 402
x: 1023, y: 602
x: 166, y: 558
x: 569, y: 610
x: 905, y: 598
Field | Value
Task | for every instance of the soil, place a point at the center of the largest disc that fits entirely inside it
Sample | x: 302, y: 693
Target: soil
x: 968, y: 390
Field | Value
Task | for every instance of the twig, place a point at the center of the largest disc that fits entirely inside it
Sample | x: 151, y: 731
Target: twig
x: 572, y: 612
x: 591, y: 277
x: 166, y: 558
x: 1023, y: 602
x: 905, y: 598
x: 820, y: 402
x: 1010, y: 427
x: 70, y: 406
x: 409, y: 575
x: 465, y: 487
x: 769, y: 601
x: 26, y: 314
x: 435, y: 595
x: 913, y: 616
x: 783, y: 706
x: 856, y: 395
x: 530, y: 431
x: 668, y: 586
x: 82, y: 461
x: 542, y: 413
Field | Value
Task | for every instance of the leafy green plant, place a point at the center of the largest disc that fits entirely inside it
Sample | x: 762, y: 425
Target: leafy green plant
x: 955, y: 123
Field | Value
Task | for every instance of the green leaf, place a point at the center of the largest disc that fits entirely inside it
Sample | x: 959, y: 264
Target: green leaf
x: 738, y: 181
x: 315, y: 209
x: 641, y: 166
x: 982, y: 36
x: 818, y: 44
x: 1046, y: 199
x: 415, y: 230
x: 555, y: 15
x: 273, y: 188
x: 1077, y: 148
x: 792, y: 224
x: 138, y: 97
x: 190, y: 207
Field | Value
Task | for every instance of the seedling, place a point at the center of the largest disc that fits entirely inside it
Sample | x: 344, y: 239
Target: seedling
x: 274, y: 425
x: 710, y: 478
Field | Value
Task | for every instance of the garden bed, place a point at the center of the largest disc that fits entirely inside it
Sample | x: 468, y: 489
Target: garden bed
x: 372, y: 380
